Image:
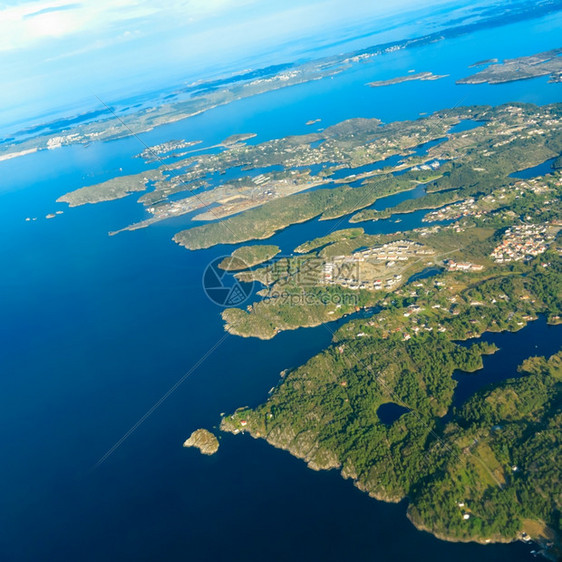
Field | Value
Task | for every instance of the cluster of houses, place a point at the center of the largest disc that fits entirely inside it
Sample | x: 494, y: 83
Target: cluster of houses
x: 334, y: 274
x: 435, y: 165
x: 454, y: 211
x: 453, y: 265
x: 523, y: 243
x: 361, y: 269
x: 535, y: 185
x: 401, y: 250
x: 57, y: 142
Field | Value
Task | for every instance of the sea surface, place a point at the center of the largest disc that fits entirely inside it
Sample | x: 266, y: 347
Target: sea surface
x: 96, y: 329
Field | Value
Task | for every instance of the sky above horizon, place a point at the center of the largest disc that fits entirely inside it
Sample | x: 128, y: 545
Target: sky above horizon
x: 57, y: 54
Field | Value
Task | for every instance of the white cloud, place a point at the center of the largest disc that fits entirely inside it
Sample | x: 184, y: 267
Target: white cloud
x: 27, y: 24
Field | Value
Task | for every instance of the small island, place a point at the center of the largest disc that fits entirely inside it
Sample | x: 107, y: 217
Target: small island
x: 110, y: 190
x: 409, y: 78
x: 203, y: 440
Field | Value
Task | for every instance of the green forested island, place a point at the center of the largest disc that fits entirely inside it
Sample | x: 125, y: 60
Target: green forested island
x: 488, y: 470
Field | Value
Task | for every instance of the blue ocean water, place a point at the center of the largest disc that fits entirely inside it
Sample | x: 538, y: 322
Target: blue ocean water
x: 545, y: 167
x: 96, y: 329
x: 536, y: 339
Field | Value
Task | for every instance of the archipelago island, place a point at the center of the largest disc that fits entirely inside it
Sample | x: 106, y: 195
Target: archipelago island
x: 485, y: 255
